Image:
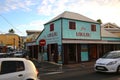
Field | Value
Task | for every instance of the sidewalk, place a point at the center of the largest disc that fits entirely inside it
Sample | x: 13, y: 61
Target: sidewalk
x: 47, y: 67
x: 82, y: 66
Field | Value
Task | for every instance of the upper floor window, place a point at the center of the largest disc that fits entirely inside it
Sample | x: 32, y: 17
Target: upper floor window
x: 93, y: 27
x: 52, y: 27
x: 72, y: 25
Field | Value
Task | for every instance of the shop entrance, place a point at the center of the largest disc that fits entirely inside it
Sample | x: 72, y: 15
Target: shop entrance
x: 93, y: 52
x: 71, y: 53
x: 84, y: 53
x: 52, y: 51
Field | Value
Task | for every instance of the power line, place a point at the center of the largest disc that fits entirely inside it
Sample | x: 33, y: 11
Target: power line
x: 10, y: 23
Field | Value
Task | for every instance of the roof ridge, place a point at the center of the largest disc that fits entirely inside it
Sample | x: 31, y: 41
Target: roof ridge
x: 72, y: 15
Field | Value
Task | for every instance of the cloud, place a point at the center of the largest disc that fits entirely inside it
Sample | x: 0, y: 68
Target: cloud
x: 107, y: 10
x: 34, y: 25
x: 8, y: 5
x: 49, y: 7
x: 104, y: 9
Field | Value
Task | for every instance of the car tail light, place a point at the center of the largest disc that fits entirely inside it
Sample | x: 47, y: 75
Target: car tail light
x: 37, y: 72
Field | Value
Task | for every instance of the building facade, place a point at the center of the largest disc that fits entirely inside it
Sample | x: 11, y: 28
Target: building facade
x: 73, y: 38
x: 32, y: 35
x: 112, y: 28
x: 11, y: 40
x: 32, y: 47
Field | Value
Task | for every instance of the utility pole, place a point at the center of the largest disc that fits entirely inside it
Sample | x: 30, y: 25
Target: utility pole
x: 14, y: 43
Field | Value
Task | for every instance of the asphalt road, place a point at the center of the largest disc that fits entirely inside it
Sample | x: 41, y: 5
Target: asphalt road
x: 88, y: 74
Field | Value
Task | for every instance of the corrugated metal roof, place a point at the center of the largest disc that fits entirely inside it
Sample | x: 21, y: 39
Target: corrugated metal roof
x: 74, y: 16
x: 112, y: 25
x: 113, y: 28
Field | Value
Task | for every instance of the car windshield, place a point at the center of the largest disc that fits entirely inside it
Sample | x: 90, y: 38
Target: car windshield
x: 112, y: 55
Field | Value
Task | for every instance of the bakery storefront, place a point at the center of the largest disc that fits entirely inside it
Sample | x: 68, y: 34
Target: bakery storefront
x: 67, y: 51
x: 86, y: 50
x: 68, y: 39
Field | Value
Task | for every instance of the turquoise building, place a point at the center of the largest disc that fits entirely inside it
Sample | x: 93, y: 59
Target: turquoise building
x: 72, y: 38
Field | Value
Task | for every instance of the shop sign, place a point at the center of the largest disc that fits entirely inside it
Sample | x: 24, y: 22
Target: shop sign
x: 42, y: 42
x: 83, y: 34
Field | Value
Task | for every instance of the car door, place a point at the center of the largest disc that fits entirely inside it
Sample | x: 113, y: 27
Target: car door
x: 11, y: 76
x: 12, y: 70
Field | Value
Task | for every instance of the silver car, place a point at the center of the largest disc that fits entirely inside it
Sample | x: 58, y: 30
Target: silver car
x: 110, y: 62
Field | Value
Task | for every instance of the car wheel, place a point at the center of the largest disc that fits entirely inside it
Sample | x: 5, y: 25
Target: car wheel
x: 118, y: 69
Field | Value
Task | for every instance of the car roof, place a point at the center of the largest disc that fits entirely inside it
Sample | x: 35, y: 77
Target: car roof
x: 116, y: 51
x: 17, y: 59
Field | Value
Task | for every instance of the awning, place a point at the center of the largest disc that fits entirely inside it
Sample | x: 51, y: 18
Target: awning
x: 91, y: 41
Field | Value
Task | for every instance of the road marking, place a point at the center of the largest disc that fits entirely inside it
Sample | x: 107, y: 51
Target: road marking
x: 52, y: 73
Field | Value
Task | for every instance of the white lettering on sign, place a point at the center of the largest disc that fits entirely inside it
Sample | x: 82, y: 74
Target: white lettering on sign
x: 82, y: 34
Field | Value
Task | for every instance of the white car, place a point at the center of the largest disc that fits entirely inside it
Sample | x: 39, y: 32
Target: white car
x: 17, y: 69
x: 110, y: 62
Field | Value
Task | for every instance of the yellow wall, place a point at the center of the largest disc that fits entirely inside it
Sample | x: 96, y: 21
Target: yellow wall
x: 10, y: 40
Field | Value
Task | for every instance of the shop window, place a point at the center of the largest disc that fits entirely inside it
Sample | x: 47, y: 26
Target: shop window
x: 93, y: 27
x: 52, y: 27
x: 72, y: 25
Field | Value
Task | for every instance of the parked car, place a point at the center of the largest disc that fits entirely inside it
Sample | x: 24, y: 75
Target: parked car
x: 110, y: 62
x: 10, y: 54
x: 3, y: 55
x: 18, y: 54
x: 17, y: 69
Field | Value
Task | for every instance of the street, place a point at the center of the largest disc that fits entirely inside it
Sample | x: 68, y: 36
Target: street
x: 88, y: 74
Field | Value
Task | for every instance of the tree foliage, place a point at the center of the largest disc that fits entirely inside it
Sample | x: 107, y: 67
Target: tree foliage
x: 11, y: 31
x: 99, y: 21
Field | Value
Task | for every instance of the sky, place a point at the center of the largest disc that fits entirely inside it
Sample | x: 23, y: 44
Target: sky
x: 22, y: 15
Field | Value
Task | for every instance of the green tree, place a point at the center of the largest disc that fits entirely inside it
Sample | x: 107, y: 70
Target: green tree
x: 11, y: 31
x: 99, y: 21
